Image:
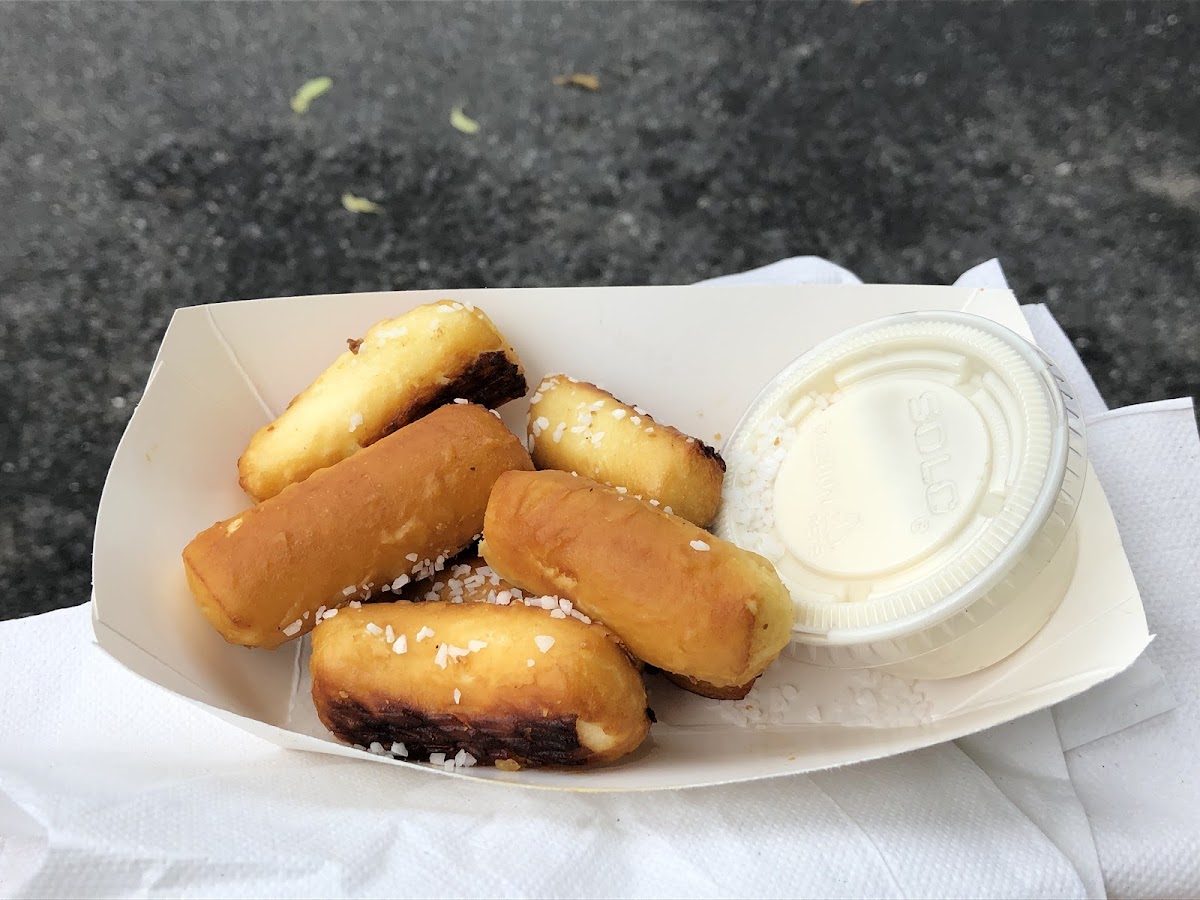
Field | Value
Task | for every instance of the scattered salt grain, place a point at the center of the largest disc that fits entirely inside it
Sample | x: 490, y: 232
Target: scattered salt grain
x: 425, y: 632
x: 355, y: 421
x: 530, y: 663
x: 622, y: 490
x: 599, y: 404
x: 649, y: 431
x: 457, y: 697
x: 699, y: 545
x: 374, y: 629
x: 558, y: 432
x: 389, y: 634
x: 442, y: 656
x: 544, y: 642
x: 618, y: 413
x: 401, y: 645
x: 635, y: 420
x: 598, y: 437
x: 292, y: 629
x: 347, y: 591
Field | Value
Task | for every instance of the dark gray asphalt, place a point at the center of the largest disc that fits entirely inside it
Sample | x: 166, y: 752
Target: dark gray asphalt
x: 149, y: 160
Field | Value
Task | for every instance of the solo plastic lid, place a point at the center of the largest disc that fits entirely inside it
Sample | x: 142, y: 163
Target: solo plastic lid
x: 899, y: 471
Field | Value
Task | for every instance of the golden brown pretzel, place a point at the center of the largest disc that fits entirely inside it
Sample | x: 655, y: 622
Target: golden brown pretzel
x: 392, y: 513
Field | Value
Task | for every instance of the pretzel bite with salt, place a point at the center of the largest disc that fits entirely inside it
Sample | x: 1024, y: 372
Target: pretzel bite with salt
x: 386, y: 516
x: 575, y: 426
x: 677, y: 597
x: 478, y: 683
x: 401, y: 370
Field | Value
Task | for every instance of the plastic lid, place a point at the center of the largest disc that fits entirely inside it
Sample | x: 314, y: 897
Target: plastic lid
x: 897, y: 472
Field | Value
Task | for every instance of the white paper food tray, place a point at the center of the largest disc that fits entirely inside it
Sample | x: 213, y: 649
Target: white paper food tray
x: 695, y: 357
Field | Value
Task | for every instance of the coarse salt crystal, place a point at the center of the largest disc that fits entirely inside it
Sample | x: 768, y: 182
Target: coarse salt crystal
x: 389, y: 634
x: 356, y: 604
x: 432, y: 596
x: 535, y: 399
x: 293, y: 628
x: 599, y: 404
x: 699, y: 545
x: 639, y: 411
x: 622, y: 490
x: 558, y: 432
x: 355, y: 421
x: 374, y: 629
x: 544, y: 642
x: 330, y: 613
x: 549, y: 602
x: 635, y: 420
x: 400, y: 582
x: 437, y: 758
x: 557, y: 614
x: 457, y: 696
x: 456, y: 652
x: 320, y: 612
x: 376, y: 748
x: 412, y: 557
x: 653, y: 502
x: 668, y: 510
x: 649, y: 431
x: 398, y: 749
x: 442, y: 656
x: 476, y: 646
x: 618, y: 413
x: 425, y: 632
x: 467, y: 759
x: 445, y: 308
x: 401, y: 644
x: 347, y: 591
x: 530, y: 663
x: 461, y: 400
x: 495, y: 412
x: 575, y: 429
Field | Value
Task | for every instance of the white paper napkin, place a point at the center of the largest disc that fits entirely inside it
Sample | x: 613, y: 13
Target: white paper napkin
x: 110, y: 786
